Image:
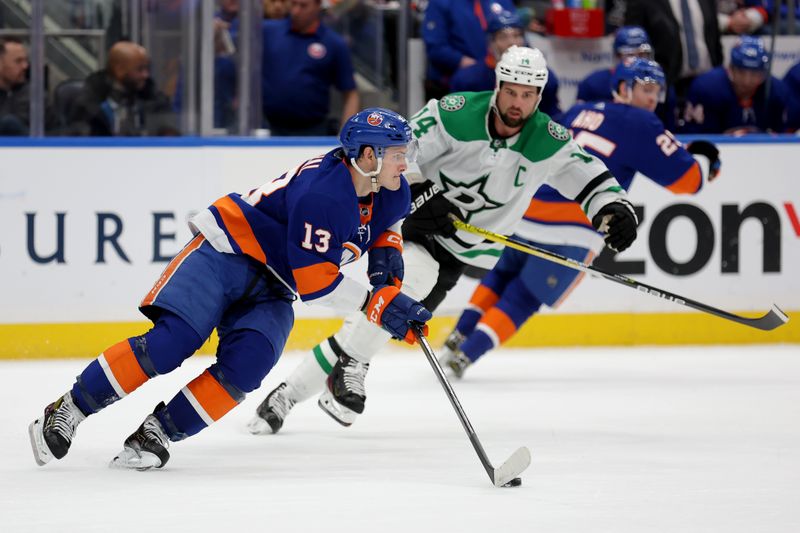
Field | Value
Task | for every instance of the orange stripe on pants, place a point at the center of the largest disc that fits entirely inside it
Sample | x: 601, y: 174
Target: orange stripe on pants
x: 483, y: 298
x: 173, y: 265
x: 500, y: 323
x: 211, y: 396
x: 125, y: 367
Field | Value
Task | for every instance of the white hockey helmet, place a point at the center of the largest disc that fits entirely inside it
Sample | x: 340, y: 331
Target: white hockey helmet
x: 523, y: 65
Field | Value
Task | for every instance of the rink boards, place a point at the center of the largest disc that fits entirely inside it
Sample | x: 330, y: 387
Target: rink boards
x: 88, y: 225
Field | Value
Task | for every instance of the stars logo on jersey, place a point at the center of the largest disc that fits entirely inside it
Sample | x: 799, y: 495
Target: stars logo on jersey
x: 470, y: 197
x: 557, y: 131
x: 452, y: 102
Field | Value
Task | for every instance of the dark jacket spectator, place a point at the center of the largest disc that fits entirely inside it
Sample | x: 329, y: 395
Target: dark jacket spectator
x: 454, y: 32
x: 668, y: 36
x: 122, y: 99
x: 14, y: 90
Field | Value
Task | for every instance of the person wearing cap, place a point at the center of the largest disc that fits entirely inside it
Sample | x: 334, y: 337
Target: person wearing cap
x: 503, y: 31
x: 734, y: 99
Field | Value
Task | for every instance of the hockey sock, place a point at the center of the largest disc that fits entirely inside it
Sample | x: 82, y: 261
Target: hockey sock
x: 308, y: 379
x: 243, y: 359
x: 501, y: 322
x: 481, y: 300
x: 123, y: 367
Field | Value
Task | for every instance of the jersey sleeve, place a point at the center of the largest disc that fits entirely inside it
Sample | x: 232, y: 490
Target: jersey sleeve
x: 657, y: 154
x: 584, y: 178
x: 315, y: 243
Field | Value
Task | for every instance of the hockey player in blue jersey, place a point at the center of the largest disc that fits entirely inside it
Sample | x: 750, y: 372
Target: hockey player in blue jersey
x: 252, y: 255
x: 628, y: 137
x: 734, y: 99
x: 629, y: 41
x: 503, y: 30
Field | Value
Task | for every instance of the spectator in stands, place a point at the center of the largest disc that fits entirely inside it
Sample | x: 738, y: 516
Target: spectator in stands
x: 504, y: 30
x: 734, y: 100
x: 742, y: 16
x: 792, y: 83
x: 684, y: 34
x: 301, y: 59
x: 454, y: 32
x: 629, y: 41
x: 275, y: 9
x: 122, y: 99
x: 14, y: 93
x: 225, y: 27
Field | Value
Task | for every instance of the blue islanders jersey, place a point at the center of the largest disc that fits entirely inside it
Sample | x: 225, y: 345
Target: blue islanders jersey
x: 628, y: 140
x: 305, y: 224
x: 713, y: 107
x: 596, y: 86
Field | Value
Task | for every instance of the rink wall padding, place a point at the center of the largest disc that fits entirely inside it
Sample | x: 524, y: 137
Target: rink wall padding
x: 82, y: 340
x: 89, y: 225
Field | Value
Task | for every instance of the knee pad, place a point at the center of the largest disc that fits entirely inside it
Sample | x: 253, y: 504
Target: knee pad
x: 167, y: 344
x: 244, y: 358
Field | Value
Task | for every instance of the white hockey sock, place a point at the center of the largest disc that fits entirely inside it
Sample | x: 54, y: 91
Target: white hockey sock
x: 308, y: 379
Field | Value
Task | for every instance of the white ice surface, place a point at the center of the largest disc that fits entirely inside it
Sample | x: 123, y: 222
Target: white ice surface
x: 623, y: 440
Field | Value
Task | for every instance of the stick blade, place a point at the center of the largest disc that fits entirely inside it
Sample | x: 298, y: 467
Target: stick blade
x: 773, y: 319
x: 513, y: 467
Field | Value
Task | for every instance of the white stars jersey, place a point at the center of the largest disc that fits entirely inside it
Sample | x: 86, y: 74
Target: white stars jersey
x: 492, y: 180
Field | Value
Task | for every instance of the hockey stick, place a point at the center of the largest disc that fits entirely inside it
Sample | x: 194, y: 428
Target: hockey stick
x: 506, y: 474
x: 773, y: 319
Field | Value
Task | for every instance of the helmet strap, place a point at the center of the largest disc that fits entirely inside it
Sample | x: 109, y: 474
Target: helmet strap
x: 373, y: 176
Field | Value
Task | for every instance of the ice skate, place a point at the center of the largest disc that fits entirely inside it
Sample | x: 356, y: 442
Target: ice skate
x: 344, y: 397
x: 146, y: 448
x: 51, y: 434
x: 452, y: 358
x: 272, y: 411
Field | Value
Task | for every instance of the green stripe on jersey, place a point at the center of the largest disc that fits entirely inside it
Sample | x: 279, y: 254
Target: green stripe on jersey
x: 321, y: 360
x: 585, y: 206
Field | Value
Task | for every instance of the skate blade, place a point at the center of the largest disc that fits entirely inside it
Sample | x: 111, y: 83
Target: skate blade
x: 130, y: 459
x: 41, y: 453
x: 335, y: 410
x: 259, y: 426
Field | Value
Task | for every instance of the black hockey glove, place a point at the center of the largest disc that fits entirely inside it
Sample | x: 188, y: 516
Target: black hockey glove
x: 709, y: 150
x: 618, y: 221
x: 430, y: 211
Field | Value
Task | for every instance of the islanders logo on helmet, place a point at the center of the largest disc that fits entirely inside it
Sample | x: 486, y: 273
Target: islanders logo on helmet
x: 632, y: 40
x: 750, y: 54
x: 376, y: 127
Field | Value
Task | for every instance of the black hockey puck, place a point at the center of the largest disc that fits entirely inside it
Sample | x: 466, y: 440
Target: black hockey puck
x: 516, y: 482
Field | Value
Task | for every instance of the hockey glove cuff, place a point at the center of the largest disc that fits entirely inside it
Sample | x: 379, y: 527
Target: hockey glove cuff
x: 618, y: 221
x: 385, y: 260
x: 709, y: 150
x: 392, y: 310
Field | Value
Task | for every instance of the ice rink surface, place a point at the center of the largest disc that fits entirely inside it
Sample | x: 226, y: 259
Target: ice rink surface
x: 623, y: 440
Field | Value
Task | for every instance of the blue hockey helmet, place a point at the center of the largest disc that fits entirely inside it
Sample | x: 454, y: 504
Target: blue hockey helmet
x: 502, y: 20
x: 376, y: 127
x: 750, y: 54
x: 632, y: 40
x: 634, y: 70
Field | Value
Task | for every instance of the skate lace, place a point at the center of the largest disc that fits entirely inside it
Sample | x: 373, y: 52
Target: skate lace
x: 65, y: 419
x: 280, y: 402
x: 354, y: 374
x: 152, y: 431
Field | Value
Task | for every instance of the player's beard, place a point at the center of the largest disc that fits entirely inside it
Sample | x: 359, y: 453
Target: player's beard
x: 513, y: 122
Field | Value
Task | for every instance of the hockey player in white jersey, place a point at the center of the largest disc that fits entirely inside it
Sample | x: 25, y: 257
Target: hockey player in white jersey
x: 482, y: 156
